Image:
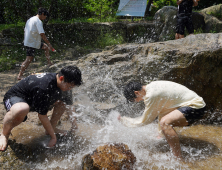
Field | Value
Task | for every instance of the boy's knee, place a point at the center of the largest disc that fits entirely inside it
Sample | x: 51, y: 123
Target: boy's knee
x: 164, y: 123
x: 20, y: 109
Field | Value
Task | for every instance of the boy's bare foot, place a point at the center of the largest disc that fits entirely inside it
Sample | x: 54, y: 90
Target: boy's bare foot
x: 52, y: 143
x: 19, y: 77
x: 50, y: 64
x: 3, y: 142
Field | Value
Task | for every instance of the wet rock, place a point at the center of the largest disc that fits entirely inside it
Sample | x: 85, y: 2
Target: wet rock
x: 194, y: 61
x: 14, y: 155
x: 114, y: 156
x: 141, y: 32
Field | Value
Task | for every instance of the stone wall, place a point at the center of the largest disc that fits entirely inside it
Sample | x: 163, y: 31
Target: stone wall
x: 83, y: 34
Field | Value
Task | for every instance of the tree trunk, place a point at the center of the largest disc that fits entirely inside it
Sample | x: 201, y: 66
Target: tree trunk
x: 53, y: 8
x: 147, y: 8
x: 40, y: 3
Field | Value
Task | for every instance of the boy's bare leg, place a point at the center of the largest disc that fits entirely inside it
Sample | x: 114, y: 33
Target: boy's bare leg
x: 174, y: 118
x: 46, y: 49
x: 12, y: 118
x: 24, y: 66
x: 58, y: 110
x: 69, y: 111
x: 177, y: 36
x: 181, y: 36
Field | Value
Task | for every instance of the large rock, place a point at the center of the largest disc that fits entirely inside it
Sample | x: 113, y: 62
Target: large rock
x: 213, y: 24
x: 115, y: 156
x: 195, y: 61
x: 165, y: 21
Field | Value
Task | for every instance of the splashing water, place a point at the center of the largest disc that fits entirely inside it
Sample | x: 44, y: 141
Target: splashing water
x: 100, y: 126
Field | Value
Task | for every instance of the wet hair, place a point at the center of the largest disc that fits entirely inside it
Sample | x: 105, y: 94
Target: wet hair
x: 129, y: 90
x: 43, y: 10
x: 72, y: 74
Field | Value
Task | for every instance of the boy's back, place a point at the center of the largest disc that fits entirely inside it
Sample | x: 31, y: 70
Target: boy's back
x: 39, y: 91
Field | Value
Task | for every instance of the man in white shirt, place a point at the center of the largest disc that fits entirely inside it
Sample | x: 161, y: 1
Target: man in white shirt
x: 173, y: 104
x: 34, y: 32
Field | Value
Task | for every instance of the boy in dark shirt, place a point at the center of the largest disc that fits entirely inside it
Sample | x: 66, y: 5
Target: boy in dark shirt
x: 38, y: 93
x: 184, y: 17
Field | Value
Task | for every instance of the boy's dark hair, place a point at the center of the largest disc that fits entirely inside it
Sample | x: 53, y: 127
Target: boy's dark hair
x: 71, y: 74
x: 43, y: 10
x: 129, y: 90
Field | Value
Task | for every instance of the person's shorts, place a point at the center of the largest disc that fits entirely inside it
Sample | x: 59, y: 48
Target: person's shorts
x: 184, y: 21
x: 13, y: 100
x: 31, y: 51
x: 191, y: 114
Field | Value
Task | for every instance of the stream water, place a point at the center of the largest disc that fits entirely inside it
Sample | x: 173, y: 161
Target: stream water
x: 200, y: 144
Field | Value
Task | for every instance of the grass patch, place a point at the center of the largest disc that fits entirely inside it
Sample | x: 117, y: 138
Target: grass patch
x: 10, y: 56
x: 108, y: 40
x: 13, y: 56
x: 198, y: 31
x: 89, y: 20
x: 7, y: 26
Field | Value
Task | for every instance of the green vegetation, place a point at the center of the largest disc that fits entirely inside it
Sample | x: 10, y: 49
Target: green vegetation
x: 101, y: 8
x: 7, y: 26
x: 14, y: 55
x: 217, y: 15
x: 89, y: 20
x: 198, y: 31
x: 14, y: 14
x: 10, y: 56
x: 108, y: 40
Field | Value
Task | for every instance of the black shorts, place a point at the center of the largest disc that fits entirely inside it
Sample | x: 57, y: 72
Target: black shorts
x: 184, y: 21
x: 13, y: 100
x: 192, y: 115
x: 30, y: 51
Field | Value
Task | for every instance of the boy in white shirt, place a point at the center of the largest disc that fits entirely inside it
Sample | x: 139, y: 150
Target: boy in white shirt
x: 34, y: 32
x: 173, y: 104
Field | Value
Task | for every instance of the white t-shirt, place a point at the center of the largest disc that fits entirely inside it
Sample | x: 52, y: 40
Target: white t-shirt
x: 33, y: 29
x: 162, y: 97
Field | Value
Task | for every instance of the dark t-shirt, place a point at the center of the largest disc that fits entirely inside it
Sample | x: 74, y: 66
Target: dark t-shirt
x: 185, y: 7
x: 40, y: 91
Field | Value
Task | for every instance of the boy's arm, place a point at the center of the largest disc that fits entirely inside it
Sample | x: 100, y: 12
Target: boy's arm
x: 195, y: 3
x: 46, y: 41
x: 48, y: 127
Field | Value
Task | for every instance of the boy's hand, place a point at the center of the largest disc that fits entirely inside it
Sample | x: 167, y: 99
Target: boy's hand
x: 50, y: 47
x: 52, y: 142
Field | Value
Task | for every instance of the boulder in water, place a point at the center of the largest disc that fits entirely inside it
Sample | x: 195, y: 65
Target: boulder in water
x: 114, y: 156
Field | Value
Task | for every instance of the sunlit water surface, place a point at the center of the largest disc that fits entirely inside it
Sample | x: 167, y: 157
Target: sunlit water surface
x: 200, y: 144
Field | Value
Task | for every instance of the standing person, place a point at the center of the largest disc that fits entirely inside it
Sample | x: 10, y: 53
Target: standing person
x: 150, y: 9
x: 34, y: 32
x: 40, y: 93
x: 173, y: 104
x: 184, y: 17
